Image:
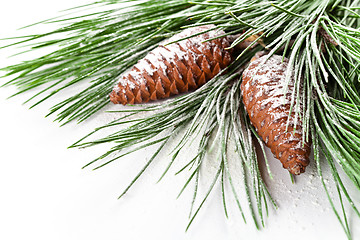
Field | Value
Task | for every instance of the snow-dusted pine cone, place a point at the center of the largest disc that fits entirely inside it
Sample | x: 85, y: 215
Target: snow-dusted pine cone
x: 174, y: 68
x: 263, y: 97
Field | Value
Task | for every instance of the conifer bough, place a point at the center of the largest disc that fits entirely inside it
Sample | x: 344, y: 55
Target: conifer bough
x: 319, y: 39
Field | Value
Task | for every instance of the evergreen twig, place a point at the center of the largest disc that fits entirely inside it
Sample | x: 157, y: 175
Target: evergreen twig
x: 320, y: 38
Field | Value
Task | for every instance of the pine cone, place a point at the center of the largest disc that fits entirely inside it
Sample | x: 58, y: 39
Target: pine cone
x: 174, y: 68
x: 263, y: 97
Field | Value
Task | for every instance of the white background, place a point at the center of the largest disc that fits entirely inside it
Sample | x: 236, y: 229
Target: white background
x: 44, y: 193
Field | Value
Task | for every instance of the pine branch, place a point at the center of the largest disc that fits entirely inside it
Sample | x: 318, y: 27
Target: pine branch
x: 320, y: 39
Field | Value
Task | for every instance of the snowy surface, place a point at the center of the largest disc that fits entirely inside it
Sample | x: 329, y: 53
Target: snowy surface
x: 46, y: 195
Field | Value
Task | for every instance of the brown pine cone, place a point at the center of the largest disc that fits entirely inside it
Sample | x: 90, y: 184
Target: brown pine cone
x: 263, y: 97
x: 174, y: 68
